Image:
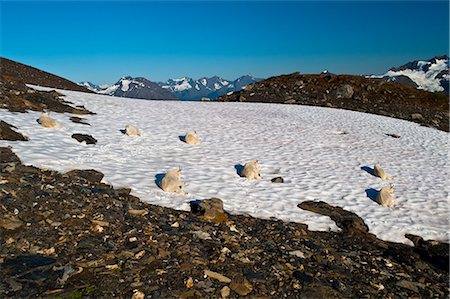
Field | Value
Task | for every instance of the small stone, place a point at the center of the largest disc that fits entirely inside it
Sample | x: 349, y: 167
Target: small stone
x: 10, y: 222
x: 176, y: 224
x: 90, y: 175
x: 100, y: 223
x: 201, y: 235
x: 189, y: 282
x: 138, y: 295
x: 297, y: 253
x: 97, y: 229
x: 217, y: 276
x: 225, y: 292
x: 137, y: 212
x: 132, y: 239
x: 140, y: 254
x: 416, y: 116
x: 412, y: 286
x: 378, y: 287
x: 241, y: 286
x: 277, y: 180
x: 112, y: 267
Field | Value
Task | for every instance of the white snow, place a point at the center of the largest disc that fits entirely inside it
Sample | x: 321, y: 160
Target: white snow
x: 197, y: 87
x: 110, y: 90
x: 204, y: 82
x: 303, y: 144
x: 217, y: 86
x: 125, y: 84
x: 182, y: 86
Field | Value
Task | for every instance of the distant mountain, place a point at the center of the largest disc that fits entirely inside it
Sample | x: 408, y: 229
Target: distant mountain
x: 90, y: 86
x: 139, y: 88
x: 31, y: 75
x: 190, y: 89
x: 430, y: 75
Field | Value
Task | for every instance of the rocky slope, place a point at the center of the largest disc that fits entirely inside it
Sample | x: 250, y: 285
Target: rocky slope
x: 27, y: 74
x: 71, y: 236
x: 17, y: 97
x: 430, y: 75
x: 353, y: 93
x: 139, y: 88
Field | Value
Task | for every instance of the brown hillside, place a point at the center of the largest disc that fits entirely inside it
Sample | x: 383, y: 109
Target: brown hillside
x: 35, y: 76
x: 357, y: 93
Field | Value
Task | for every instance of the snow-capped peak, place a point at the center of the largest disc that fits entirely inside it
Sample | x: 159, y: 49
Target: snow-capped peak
x: 430, y: 75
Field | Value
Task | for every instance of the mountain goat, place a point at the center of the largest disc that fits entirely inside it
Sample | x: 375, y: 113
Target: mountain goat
x: 252, y: 170
x: 385, y: 196
x: 192, y: 138
x: 46, y: 121
x: 171, y: 181
x: 379, y: 172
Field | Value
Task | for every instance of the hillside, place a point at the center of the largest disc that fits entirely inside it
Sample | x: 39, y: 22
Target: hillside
x: 80, y: 237
x: 350, y: 92
x: 31, y: 75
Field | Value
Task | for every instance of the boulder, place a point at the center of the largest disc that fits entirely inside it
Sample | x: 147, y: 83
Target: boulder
x: 7, y: 133
x: 84, y: 138
x: 211, y: 209
x: 88, y: 174
x: 345, y: 92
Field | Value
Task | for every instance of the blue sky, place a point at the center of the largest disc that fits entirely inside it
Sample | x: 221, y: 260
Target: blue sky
x: 101, y: 41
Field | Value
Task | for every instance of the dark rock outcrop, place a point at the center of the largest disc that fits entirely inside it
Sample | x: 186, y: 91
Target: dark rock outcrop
x: 347, y: 221
x: 7, y: 132
x: 17, y: 97
x: 90, y: 175
x: 84, y: 138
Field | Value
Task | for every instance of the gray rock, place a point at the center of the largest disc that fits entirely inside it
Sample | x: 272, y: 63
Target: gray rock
x: 277, y: 180
x: 345, y: 92
x: 84, y: 138
x: 416, y: 116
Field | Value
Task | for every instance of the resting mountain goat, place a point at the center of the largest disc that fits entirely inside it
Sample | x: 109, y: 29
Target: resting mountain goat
x: 171, y: 181
x: 385, y: 196
x: 379, y: 172
x: 192, y: 138
x: 251, y: 170
x: 132, y: 131
x: 46, y: 121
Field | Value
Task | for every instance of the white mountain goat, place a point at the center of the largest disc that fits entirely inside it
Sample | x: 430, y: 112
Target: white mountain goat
x: 132, y: 131
x: 379, y: 172
x: 385, y: 196
x: 252, y: 170
x: 46, y: 121
x: 171, y: 181
x: 192, y: 138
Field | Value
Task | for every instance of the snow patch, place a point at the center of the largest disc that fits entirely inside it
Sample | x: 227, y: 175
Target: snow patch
x: 298, y: 143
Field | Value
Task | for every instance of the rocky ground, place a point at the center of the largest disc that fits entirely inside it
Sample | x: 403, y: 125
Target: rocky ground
x: 71, y: 236
x: 357, y: 93
x: 17, y: 97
